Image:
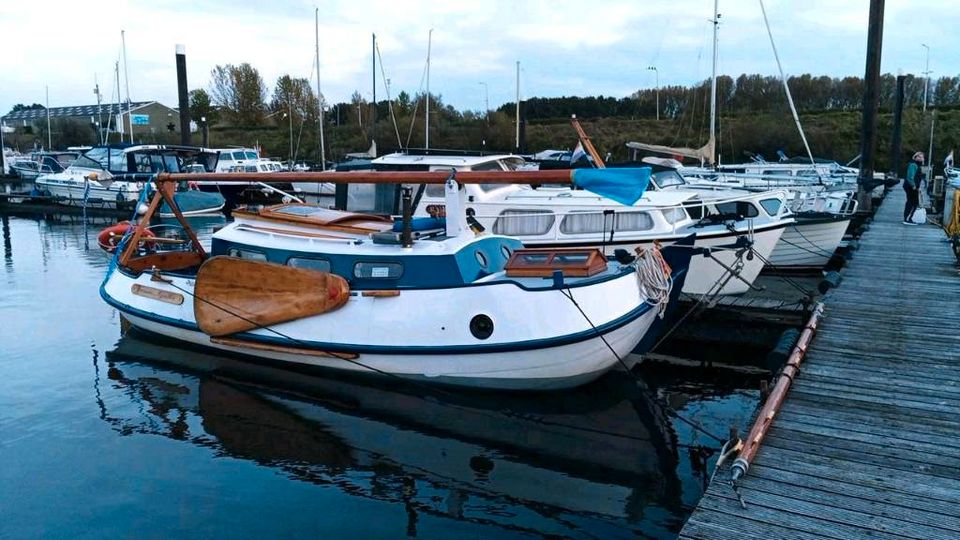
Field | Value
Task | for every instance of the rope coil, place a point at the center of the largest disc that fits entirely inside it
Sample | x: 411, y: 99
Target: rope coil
x: 654, y: 276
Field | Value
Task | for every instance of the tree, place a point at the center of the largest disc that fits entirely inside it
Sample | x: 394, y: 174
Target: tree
x: 239, y: 91
x: 22, y: 107
x: 296, y: 96
x: 201, y: 107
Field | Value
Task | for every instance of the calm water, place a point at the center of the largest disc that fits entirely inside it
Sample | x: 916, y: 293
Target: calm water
x: 103, y: 436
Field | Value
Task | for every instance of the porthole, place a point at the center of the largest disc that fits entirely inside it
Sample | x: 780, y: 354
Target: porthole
x: 505, y: 251
x: 481, y: 326
x: 481, y: 258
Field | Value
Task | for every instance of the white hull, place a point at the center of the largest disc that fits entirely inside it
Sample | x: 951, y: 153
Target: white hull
x: 71, y: 190
x: 424, y: 334
x: 706, y: 273
x: 808, y: 244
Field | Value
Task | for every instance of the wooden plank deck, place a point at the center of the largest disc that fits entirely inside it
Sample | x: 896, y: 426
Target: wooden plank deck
x: 867, y: 444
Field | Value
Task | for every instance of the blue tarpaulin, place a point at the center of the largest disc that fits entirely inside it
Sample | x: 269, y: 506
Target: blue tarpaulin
x: 625, y: 186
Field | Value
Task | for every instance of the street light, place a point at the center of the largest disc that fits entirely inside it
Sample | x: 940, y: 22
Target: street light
x: 926, y: 74
x: 486, y: 101
x: 656, y: 72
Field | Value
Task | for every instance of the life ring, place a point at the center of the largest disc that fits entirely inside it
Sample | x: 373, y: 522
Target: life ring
x: 109, y: 238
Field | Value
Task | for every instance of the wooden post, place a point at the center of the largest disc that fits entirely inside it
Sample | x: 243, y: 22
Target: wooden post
x: 182, y: 94
x: 896, y: 148
x: 871, y: 98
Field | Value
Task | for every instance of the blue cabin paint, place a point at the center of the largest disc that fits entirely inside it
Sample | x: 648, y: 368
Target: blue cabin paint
x: 418, y: 271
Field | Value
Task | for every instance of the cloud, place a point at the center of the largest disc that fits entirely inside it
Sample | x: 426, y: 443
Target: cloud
x: 565, y: 47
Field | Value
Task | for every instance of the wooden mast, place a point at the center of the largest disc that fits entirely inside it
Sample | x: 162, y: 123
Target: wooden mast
x: 587, y: 143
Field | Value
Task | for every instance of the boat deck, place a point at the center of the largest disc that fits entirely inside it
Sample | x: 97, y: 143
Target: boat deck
x: 867, y: 443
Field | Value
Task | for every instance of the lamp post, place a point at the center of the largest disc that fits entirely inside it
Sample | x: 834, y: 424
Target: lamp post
x: 926, y: 76
x: 486, y: 101
x: 656, y: 73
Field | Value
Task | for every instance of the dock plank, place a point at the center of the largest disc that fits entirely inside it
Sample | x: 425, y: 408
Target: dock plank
x: 867, y: 443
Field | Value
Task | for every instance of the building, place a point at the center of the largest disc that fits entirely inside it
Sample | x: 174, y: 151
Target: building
x: 148, y: 118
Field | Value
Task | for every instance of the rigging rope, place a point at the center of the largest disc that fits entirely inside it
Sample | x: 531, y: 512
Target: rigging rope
x: 653, y: 275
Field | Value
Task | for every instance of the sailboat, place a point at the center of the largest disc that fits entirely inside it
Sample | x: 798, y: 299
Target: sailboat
x: 430, y: 300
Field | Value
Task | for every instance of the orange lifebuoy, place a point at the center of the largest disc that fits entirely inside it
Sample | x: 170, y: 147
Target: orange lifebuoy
x: 109, y: 238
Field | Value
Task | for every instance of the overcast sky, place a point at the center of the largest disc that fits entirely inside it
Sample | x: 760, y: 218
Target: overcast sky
x: 565, y: 47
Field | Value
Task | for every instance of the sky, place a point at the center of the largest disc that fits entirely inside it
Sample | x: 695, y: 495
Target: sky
x: 601, y: 47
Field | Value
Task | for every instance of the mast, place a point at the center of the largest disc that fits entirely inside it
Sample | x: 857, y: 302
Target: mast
x: 713, y: 86
x: 96, y: 92
x: 116, y: 72
x: 373, y: 76
x: 517, y: 144
x: 49, y: 135
x: 427, y: 126
x: 323, y: 152
x: 126, y: 82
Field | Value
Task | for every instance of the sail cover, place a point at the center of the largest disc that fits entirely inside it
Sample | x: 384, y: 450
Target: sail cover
x: 625, y: 185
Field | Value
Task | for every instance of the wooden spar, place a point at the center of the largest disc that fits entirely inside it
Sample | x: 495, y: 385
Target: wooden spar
x: 777, y: 396
x: 383, y: 177
x: 131, y: 247
x: 587, y: 143
x: 166, y: 190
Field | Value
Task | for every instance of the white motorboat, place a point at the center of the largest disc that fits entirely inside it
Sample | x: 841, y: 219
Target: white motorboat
x: 298, y: 284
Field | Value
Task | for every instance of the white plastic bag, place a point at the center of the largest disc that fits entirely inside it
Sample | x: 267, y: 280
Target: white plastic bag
x: 919, y: 216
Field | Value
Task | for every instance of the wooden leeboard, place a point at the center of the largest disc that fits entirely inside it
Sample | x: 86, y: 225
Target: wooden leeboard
x: 157, y: 294
x: 236, y: 295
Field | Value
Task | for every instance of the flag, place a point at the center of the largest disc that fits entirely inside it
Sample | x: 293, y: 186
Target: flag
x: 578, y: 153
x: 948, y: 162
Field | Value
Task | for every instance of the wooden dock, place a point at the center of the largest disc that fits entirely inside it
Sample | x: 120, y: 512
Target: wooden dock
x: 867, y: 444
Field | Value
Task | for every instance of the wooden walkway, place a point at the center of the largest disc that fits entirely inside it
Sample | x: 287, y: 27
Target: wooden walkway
x: 867, y: 444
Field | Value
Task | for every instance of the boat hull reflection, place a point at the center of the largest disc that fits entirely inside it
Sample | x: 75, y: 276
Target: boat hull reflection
x: 604, y: 452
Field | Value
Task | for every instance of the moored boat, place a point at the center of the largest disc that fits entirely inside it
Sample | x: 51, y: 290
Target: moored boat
x: 304, y: 285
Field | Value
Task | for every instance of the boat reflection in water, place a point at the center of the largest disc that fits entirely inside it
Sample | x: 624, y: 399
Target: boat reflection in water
x: 601, y: 458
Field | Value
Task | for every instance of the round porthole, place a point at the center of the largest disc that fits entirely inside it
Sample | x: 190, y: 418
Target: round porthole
x: 481, y: 258
x: 481, y: 326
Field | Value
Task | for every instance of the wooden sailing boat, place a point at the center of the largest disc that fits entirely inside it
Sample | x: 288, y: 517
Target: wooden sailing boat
x: 299, y: 284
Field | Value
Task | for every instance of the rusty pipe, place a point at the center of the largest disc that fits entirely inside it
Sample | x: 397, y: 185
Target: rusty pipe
x: 779, y: 393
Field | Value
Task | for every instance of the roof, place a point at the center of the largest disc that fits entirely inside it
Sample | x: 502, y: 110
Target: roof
x: 80, y: 110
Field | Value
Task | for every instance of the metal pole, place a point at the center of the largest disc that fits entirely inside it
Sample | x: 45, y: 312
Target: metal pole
x: 517, y: 146
x: 486, y: 102
x: 896, y: 147
x: 373, y: 74
x: 290, y: 123
x: 3, y: 162
x: 426, y: 126
x: 871, y: 98
x: 713, y: 85
x: 126, y: 82
x: 656, y: 73
x: 49, y: 134
x: 926, y: 77
x: 323, y: 152
x: 183, y: 95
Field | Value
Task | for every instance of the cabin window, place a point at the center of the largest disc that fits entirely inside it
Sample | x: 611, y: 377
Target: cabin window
x: 238, y: 156
x: 488, y: 166
x: 437, y: 191
x: 740, y: 208
x: 481, y: 258
x: 505, y: 251
x: 320, y: 265
x: 807, y: 172
x: 377, y: 270
x: 674, y: 215
x: 247, y: 254
x: 772, y: 206
x: 248, y: 155
x: 524, y: 222
x: 597, y: 222
x: 668, y: 179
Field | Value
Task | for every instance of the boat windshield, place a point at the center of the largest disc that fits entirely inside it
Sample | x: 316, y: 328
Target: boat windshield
x: 665, y: 179
x: 250, y: 155
x: 95, y: 158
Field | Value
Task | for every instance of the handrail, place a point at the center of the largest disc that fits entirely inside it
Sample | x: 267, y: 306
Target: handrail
x: 280, y: 191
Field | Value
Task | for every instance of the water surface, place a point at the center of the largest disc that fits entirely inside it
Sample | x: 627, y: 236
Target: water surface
x: 103, y: 436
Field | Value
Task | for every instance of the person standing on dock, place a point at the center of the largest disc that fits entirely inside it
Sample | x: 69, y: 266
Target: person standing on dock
x: 911, y: 185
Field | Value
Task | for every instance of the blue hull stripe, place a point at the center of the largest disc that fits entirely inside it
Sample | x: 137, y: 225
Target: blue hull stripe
x: 544, y: 343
